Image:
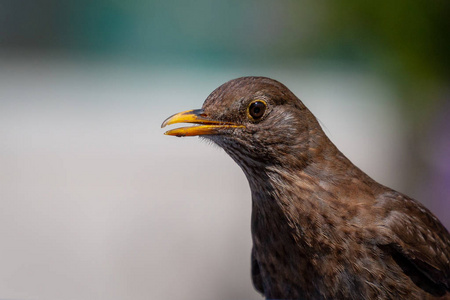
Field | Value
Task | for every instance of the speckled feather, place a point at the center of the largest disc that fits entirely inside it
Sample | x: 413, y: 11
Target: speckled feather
x: 321, y: 228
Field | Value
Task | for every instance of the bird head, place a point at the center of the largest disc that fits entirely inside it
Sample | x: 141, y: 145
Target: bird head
x: 256, y: 120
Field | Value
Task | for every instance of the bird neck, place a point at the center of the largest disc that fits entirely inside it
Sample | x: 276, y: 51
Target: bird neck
x: 304, y: 202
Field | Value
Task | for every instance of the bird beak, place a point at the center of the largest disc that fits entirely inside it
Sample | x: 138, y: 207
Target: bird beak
x: 197, y: 116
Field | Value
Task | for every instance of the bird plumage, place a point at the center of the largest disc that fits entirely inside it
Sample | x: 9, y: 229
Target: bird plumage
x: 321, y: 228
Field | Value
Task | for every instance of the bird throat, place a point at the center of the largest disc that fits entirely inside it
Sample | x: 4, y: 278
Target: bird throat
x: 286, y: 221
x: 295, y: 209
x: 286, y: 209
x: 293, y: 224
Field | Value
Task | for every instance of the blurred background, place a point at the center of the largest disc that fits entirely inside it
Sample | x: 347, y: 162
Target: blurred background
x: 96, y: 203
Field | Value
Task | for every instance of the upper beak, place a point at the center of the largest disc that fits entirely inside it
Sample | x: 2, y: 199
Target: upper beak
x: 197, y: 116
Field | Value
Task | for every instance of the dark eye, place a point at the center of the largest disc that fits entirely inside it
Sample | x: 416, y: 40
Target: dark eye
x: 257, y: 109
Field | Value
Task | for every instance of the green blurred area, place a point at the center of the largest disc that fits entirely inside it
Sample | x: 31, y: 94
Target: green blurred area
x: 407, y: 39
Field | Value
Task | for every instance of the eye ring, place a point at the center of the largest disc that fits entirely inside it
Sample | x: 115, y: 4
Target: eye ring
x: 256, y: 109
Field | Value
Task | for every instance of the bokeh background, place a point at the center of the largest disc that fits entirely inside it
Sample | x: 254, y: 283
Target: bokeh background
x: 96, y: 203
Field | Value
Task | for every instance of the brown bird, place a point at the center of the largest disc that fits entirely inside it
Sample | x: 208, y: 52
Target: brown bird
x: 321, y: 228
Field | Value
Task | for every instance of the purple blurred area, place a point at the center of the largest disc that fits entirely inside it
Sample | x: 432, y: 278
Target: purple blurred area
x: 96, y: 203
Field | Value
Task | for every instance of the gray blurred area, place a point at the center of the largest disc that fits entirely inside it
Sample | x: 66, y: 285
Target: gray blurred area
x: 96, y: 203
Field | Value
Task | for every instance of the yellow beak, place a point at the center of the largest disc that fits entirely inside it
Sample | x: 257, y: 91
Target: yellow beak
x: 197, y: 116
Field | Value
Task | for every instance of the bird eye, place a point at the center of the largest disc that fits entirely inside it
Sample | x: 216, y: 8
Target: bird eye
x: 256, y: 109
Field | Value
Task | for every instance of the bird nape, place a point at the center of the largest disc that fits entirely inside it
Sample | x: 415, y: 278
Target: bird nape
x: 321, y: 228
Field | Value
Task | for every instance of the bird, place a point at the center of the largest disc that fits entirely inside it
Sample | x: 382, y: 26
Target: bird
x: 321, y: 227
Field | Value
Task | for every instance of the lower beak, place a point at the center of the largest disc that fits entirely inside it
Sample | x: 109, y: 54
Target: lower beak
x: 197, y: 116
